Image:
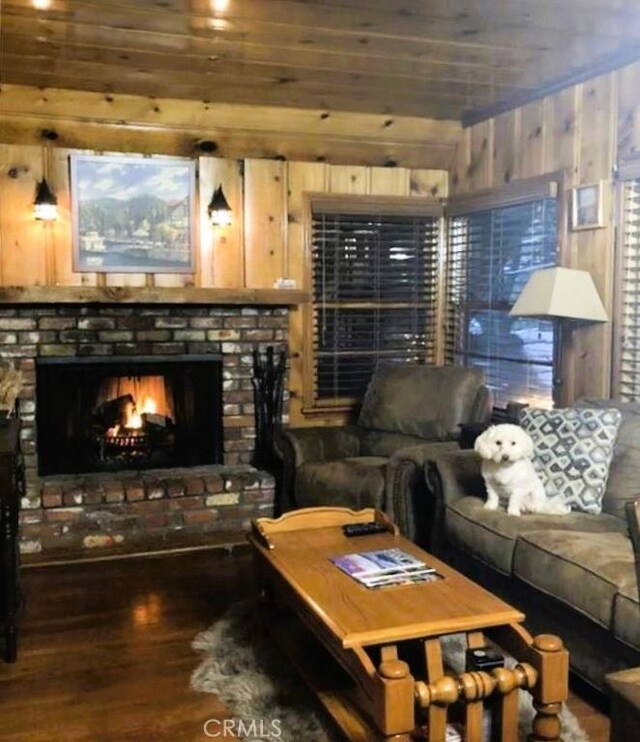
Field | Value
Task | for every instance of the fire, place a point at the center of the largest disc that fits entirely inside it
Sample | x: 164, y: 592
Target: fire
x: 149, y: 395
x: 134, y: 421
x: 134, y: 417
x: 150, y: 406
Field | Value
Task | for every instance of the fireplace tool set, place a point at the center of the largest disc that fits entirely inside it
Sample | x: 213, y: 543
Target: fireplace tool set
x: 268, y: 384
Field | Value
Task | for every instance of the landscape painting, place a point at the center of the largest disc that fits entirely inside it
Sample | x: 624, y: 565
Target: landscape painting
x: 133, y: 214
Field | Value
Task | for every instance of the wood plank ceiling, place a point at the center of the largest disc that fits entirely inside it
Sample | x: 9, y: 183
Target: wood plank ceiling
x: 429, y: 58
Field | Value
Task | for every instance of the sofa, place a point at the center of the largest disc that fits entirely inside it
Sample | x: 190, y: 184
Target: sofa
x: 573, y: 575
x: 379, y: 461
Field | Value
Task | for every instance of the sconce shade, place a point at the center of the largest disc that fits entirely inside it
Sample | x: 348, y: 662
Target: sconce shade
x: 560, y: 292
x: 219, y: 209
x: 45, y: 205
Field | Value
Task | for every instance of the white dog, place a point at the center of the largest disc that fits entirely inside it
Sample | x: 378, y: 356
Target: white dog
x: 506, y: 452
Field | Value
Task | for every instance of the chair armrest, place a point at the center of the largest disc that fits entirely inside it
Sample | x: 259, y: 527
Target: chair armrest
x: 407, y: 499
x: 456, y: 474
x: 450, y: 477
x: 419, y: 455
x: 306, y: 445
x: 298, y: 446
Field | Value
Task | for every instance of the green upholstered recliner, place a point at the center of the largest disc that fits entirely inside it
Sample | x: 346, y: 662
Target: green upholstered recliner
x: 379, y: 461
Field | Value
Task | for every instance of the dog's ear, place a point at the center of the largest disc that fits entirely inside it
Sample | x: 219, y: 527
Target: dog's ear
x: 483, y: 442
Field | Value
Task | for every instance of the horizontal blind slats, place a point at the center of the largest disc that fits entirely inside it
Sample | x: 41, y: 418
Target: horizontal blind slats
x: 628, y: 370
x: 374, y: 290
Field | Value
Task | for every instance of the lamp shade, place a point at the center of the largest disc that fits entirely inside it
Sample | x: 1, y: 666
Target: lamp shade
x: 560, y: 292
x: 219, y: 209
x: 45, y: 205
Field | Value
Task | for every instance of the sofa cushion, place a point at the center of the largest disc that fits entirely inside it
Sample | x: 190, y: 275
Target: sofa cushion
x: 490, y: 535
x: 428, y: 402
x: 573, y: 449
x: 583, y: 570
x: 626, y: 615
x: 624, y: 473
x: 356, y: 482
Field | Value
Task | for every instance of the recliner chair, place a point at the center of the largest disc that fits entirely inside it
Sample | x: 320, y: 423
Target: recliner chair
x: 379, y: 461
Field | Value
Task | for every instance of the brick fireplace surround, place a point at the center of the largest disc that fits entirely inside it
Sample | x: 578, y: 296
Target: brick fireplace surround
x: 98, y: 511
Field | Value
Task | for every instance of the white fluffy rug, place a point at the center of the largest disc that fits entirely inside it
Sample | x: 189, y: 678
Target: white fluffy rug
x: 247, y: 674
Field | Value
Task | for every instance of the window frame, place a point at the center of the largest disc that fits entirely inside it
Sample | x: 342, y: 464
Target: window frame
x: 366, y: 205
x: 523, y: 191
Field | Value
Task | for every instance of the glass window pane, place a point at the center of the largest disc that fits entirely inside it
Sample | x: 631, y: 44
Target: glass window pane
x: 492, y: 254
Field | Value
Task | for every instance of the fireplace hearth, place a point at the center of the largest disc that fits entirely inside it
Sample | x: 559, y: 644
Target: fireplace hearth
x: 123, y: 413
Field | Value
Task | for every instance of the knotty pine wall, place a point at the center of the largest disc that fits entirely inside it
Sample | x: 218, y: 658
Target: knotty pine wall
x: 582, y: 131
x: 265, y: 242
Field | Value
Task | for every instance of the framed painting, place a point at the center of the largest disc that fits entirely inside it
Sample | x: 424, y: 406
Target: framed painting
x: 587, y: 210
x: 133, y: 214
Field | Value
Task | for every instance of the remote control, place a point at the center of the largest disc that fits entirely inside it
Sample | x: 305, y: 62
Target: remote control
x: 363, y: 529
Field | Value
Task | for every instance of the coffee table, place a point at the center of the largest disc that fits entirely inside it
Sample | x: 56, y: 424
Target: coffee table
x: 393, y: 683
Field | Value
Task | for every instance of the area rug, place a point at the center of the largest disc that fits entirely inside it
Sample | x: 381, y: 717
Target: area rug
x: 247, y: 673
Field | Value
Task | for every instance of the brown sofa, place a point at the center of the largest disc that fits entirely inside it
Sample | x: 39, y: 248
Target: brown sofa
x: 379, y: 462
x: 572, y: 575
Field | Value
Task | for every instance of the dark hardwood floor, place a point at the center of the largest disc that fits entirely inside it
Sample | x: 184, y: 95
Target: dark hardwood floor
x: 105, y: 656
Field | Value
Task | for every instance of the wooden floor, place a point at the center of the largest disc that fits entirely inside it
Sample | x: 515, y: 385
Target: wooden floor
x: 105, y: 653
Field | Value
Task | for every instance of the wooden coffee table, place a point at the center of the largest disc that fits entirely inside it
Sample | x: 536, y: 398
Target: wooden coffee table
x: 393, y: 683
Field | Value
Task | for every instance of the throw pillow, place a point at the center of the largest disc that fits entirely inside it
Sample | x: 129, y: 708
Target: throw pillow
x: 573, y: 449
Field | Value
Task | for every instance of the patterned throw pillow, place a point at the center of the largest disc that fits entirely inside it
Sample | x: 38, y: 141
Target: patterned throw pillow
x: 573, y: 449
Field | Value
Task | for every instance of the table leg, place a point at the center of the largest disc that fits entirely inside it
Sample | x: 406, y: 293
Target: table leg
x: 550, y: 659
x: 474, y: 710
x: 551, y: 689
x: 437, y: 718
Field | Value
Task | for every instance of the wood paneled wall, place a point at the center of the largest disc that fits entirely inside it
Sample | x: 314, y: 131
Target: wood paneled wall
x: 265, y: 242
x: 581, y: 131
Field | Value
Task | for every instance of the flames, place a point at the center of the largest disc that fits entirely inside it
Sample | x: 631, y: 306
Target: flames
x: 150, y: 397
x: 134, y: 418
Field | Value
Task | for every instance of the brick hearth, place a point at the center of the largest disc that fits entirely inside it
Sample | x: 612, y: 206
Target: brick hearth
x: 99, y: 510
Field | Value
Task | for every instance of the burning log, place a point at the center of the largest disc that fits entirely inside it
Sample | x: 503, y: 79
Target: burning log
x: 153, y: 420
x: 114, y: 411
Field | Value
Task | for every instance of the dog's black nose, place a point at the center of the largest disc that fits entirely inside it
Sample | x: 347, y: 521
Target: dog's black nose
x: 505, y: 457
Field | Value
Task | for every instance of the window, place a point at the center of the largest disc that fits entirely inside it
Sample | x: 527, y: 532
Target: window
x: 628, y: 329
x: 492, y: 252
x: 374, y: 280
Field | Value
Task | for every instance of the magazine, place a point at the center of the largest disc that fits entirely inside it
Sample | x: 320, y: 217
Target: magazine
x: 385, y: 567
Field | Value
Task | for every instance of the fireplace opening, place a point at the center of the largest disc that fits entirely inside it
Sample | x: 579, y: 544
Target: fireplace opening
x: 121, y: 413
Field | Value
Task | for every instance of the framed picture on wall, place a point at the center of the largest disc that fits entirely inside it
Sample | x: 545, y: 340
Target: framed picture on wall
x: 133, y: 214
x: 587, y: 210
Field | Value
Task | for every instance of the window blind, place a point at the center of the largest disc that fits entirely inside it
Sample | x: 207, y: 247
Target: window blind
x: 628, y: 340
x: 491, y: 254
x: 374, y: 297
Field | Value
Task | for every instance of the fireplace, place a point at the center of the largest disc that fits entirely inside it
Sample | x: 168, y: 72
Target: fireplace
x: 126, y: 413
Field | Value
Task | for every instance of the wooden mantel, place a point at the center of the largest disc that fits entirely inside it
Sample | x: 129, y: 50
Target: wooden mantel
x: 147, y: 295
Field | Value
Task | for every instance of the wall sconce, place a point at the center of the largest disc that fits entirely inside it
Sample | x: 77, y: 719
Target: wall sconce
x: 45, y: 205
x: 219, y: 209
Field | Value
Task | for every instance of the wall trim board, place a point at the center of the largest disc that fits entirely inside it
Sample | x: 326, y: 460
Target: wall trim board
x: 128, y: 123
x: 519, y: 191
x: 145, y: 295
